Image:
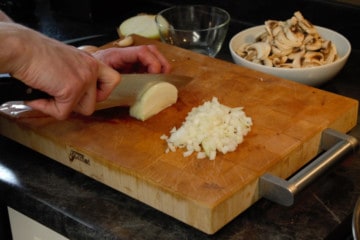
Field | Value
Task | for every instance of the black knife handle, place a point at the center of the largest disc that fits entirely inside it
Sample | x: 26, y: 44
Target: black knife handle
x: 12, y: 89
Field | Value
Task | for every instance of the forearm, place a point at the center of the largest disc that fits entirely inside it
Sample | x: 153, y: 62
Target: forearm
x: 5, y: 39
x: 12, y: 44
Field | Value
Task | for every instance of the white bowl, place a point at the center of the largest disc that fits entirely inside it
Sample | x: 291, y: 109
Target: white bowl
x: 313, y: 76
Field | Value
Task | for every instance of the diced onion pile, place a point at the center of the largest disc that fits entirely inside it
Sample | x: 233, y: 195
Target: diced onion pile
x: 209, y: 128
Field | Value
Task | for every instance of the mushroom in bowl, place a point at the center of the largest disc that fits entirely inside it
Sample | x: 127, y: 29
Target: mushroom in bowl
x: 293, y: 49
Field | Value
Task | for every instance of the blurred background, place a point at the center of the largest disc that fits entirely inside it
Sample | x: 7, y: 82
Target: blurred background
x: 65, y: 19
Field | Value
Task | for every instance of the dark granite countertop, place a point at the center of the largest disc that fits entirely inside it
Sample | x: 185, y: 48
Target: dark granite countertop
x: 81, y: 208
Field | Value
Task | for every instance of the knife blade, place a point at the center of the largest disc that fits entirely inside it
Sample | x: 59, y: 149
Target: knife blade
x: 124, y: 94
x: 132, y: 85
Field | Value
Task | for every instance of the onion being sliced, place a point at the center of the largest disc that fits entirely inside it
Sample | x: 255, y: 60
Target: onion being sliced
x: 154, y: 99
x: 208, y: 129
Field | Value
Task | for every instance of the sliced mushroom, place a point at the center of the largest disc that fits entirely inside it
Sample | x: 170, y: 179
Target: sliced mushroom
x: 282, y: 46
x: 280, y: 52
x: 264, y: 37
x: 294, y: 35
x: 243, y: 52
x: 329, y: 51
x: 314, y: 44
x: 279, y: 61
x: 292, y: 21
x: 313, y: 58
x: 304, y: 23
x: 267, y: 62
x: 297, y: 58
x: 292, y: 43
x: 270, y: 25
x: 255, y: 51
x: 286, y: 65
x: 310, y: 64
x: 285, y: 42
x: 262, y: 49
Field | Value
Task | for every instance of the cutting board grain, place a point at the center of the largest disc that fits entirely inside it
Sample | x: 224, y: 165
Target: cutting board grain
x: 129, y: 156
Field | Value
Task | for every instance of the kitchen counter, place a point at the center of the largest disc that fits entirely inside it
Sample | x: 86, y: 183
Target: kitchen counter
x: 79, y: 207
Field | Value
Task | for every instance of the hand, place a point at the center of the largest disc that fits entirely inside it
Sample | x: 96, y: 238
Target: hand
x: 75, y: 79
x: 140, y: 59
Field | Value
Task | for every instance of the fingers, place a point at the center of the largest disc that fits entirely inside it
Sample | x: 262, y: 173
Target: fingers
x: 82, y: 100
x: 108, y: 78
x: 154, y: 62
x: 60, y: 110
x: 165, y: 65
x: 86, y: 104
x: 50, y: 107
x: 145, y: 58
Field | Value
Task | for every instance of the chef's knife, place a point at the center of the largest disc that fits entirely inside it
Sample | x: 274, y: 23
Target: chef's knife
x: 124, y: 94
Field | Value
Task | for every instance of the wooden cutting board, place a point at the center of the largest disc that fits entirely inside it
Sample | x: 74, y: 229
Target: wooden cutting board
x: 128, y: 155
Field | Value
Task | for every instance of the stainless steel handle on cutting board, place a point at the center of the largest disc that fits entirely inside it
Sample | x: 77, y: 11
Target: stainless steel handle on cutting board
x: 335, y: 144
